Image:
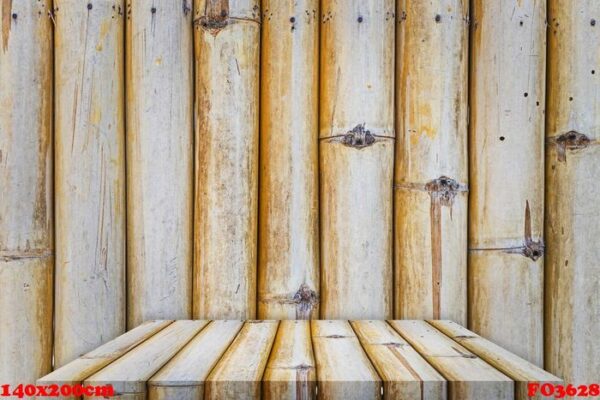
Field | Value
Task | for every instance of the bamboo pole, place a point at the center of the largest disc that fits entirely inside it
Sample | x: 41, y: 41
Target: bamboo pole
x: 356, y: 158
x: 288, y: 267
x: 26, y: 223
x: 431, y: 160
x: 573, y: 210
x: 90, y: 175
x: 227, y: 39
x: 506, y: 174
x: 159, y: 68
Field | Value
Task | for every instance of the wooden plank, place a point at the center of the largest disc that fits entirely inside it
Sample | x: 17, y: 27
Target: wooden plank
x: 83, y: 367
x: 572, y: 307
x: 26, y: 199
x: 343, y: 369
x: 128, y: 374
x: 516, y: 368
x: 288, y: 265
x: 506, y: 198
x: 431, y: 192
x: 470, y: 378
x: 290, y: 372
x: 184, y: 376
x: 239, y: 372
x: 160, y: 159
x: 405, y: 374
x: 227, y: 41
x: 89, y: 176
x: 356, y: 158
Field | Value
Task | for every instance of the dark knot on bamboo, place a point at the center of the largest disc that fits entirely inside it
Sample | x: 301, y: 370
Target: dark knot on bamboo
x: 305, y: 299
x: 533, y: 249
x: 359, y: 137
x: 444, y: 189
x: 571, y: 140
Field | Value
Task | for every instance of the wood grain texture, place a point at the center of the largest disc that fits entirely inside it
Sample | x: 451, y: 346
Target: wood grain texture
x: 160, y: 159
x: 83, y: 367
x: 227, y: 39
x: 507, y: 89
x: 572, y: 208
x: 431, y: 191
x: 343, y: 369
x: 521, y: 371
x: 26, y: 199
x: 184, y: 376
x: 239, y: 372
x: 469, y: 376
x: 128, y: 374
x: 405, y: 374
x: 356, y: 158
x: 89, y: 176
x: 291, y: 371
x: 288, y: 265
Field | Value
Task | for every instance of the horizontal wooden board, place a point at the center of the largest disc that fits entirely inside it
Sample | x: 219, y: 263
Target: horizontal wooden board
x: 128, y: 374
x: 516, y: 368
x: 83, y: 367
x: 471, y: 377
x: 343, y: 369
x: 406, y: 375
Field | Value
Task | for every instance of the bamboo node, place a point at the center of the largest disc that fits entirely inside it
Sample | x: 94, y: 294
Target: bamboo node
x: 306, y: 299
x: 359, y: 137
x: 443, y: 188
x: 214, y: 24
x: 571, y: 140
x: 533, y: 249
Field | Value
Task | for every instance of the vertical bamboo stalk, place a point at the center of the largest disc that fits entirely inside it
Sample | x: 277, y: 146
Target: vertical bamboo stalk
x: 573, y: 210
x: 431, y: 160
x: 26, y: 224
x: 506, y: 174
x: 356, y: 156
x: 227, y: 41
x: 90, y: 175
x: 159, y: 67
x: 288, y: 267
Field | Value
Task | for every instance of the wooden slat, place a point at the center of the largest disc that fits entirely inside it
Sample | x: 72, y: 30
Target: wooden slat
x: 471, y: 378
x: 518, y: 369
x: 290, y: 372
x: 343, y: 369
x: 405, y: 373
x: 81, y: 368
x: 26, y: 194
x: 129, y: 374
x: 160, y: 159
x: 183, y: 377
x: 239, y: 373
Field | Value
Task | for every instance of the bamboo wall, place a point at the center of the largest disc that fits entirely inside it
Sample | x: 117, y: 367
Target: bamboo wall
x: 298, y: 160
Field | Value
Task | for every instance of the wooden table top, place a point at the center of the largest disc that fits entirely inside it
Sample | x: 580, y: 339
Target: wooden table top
x: 229, y: 359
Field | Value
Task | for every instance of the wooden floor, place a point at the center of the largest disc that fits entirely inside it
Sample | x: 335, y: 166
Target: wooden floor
x: 360, y: 360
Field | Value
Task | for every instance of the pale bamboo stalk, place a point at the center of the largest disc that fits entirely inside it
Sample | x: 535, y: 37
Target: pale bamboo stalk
x: 356, y: 158
x: 26, y: 223
x: 160, y: 158
x: 572, y: 207
x: 90, y: 175
x: 431, y: 160
x: 227, y: 41
x: 506, y: 174
x: 288, y: 266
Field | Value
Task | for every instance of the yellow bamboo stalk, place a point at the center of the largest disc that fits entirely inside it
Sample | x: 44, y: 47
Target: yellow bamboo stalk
x: 159, y: 159
x: 356, y: 157
x: 90, y: 175
x: 227, y: 41
x: 572, y: 207
x: 288, y: 267
x: 26, y: 224
x: 431, y: 160
x: 506, y: 174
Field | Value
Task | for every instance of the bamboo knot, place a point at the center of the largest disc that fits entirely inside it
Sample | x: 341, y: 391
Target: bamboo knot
x: 444, y: 189
x: 571, y: 140
x: 306, y: 299
x: 212, y: 24
x: 359, y: 137
x: 533, y: 249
